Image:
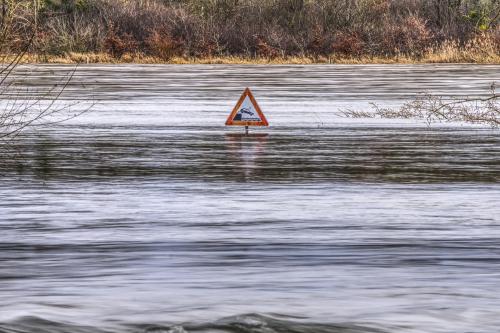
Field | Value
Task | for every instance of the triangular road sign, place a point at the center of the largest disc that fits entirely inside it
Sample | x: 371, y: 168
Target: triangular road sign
x: 247, y: 112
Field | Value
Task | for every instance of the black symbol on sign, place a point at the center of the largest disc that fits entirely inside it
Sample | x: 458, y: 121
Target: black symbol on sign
x: 240, y: 114
x: 247, y: 111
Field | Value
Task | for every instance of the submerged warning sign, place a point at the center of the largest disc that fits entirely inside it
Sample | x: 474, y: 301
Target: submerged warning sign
x: 247, y: 112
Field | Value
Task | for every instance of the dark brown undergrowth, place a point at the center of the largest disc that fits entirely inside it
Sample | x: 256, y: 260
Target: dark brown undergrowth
x: 261, y: 28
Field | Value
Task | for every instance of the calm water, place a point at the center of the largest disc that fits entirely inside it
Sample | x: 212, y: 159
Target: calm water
x: 148, y: 215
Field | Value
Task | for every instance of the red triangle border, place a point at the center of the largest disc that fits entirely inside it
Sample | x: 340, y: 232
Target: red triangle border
x: 231, y: 122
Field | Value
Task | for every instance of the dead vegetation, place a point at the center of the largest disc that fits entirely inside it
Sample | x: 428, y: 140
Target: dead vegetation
x: 437, y: 109
x: 324, y: 31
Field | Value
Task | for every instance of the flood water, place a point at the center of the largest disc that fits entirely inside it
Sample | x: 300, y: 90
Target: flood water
x: 147, y: 214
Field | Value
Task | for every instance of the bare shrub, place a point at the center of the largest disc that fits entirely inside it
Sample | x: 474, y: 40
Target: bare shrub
x: 117, y: 44
x: 163, y: 45
x: 22, y: 108
x: 348, y: 44
x: 435, y: 109
x: 264, y: 49
x: 410, y: 36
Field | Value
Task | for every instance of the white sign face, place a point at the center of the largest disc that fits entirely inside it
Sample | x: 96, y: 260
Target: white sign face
x: 247, y: 112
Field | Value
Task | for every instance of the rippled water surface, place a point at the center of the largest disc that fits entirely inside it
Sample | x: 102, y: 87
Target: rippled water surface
x: 146, y: 214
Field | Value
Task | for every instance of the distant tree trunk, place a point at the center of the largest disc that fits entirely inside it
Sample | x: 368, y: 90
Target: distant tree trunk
x: 439, y: 14
x: 35, y: 9
x: 4, y: 12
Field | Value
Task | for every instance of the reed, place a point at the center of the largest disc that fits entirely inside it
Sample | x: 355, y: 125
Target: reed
x: 453, y: 56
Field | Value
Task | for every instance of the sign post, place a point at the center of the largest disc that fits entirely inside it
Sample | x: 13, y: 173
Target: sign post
x: 247, y: 112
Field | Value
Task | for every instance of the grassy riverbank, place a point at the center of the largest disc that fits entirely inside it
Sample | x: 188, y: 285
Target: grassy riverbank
x: 251, y: 31
x: 478, y: 53
x: 93, y: 58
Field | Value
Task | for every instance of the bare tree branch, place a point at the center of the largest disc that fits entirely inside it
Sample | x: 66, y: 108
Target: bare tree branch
x: 21, y: 108
x: 432, y: 109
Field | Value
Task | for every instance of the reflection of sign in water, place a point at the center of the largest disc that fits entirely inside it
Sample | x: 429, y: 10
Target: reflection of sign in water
x: 247, y: 112
x: 245, y: 152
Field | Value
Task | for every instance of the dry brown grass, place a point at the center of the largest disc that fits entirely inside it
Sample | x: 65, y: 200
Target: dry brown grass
x: 449, y: 53
x: 479, y: 50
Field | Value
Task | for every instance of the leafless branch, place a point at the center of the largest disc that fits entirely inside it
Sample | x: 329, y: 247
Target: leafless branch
x: 433, y: 108
x: 22, y: 108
